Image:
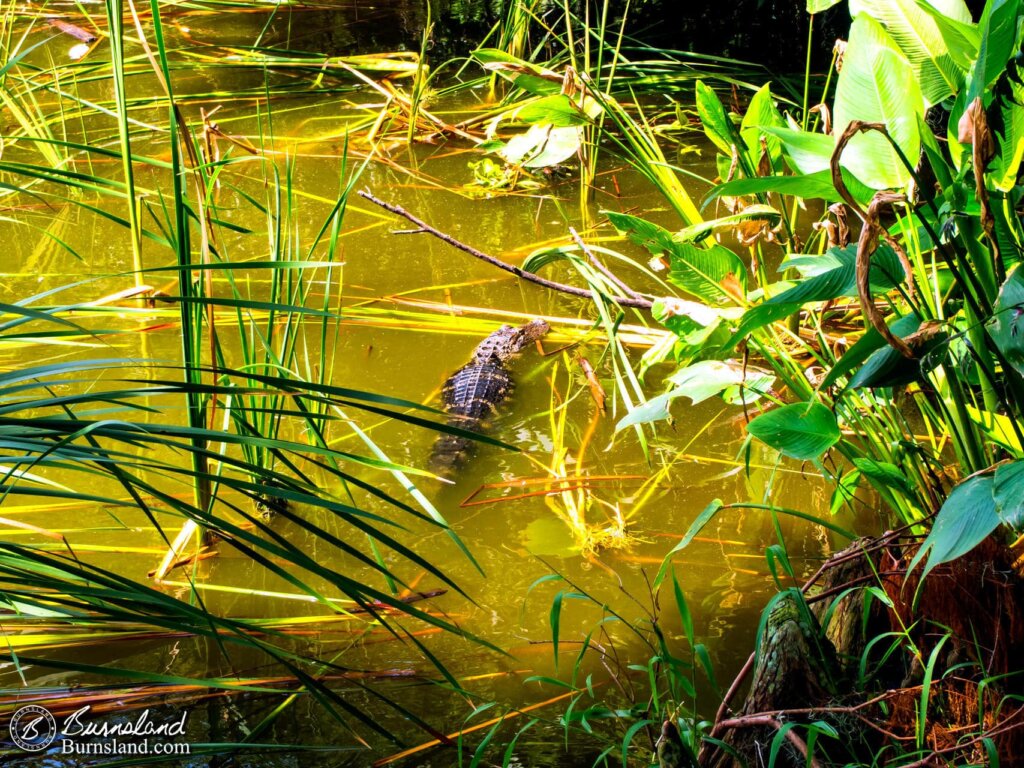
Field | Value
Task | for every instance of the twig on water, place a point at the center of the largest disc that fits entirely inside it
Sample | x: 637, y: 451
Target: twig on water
x: 625, y: 301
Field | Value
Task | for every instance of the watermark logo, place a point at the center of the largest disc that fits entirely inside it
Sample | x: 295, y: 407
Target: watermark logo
x: 33, y: 728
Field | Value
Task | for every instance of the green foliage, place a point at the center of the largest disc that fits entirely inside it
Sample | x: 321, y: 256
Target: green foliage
x: 702, y: 272
x: 800, y: 431
x: 834, y: 276
x: 967, y: 517
x: 877, y: 84
x: 698, y: 382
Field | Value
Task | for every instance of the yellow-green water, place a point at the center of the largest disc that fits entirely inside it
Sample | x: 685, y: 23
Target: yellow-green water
x: 515, y: 541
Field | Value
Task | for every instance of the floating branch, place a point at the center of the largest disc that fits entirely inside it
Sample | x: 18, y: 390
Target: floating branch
x: 637, y: 302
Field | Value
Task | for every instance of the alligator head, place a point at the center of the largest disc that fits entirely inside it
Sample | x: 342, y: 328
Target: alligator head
x: 507, y: 341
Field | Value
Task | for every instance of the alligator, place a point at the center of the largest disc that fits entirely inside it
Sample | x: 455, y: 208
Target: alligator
x: 474, y: 392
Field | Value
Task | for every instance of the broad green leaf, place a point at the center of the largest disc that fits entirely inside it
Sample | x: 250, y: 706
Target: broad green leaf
x: 755, y: 212
x: 817, y: 6
x: 706, y: 272
x: 1008, y: 492
x: 998, y: 28
x: 716, y: 122
x: 997, y: 428
x: 710, y: 377
x: 542, y: 146
x: 885, y: 474
x: 699, y: 330
x: 762, y: 114
x: 844, y: 491
x: 801, y: 431
x: 750, y: 391
x: 940, y: 49
x: 557, y: 110
x: 654, y: 409
x: 889, y: 368
x: 967, y: 517
x: 841, y: 280
x: 1008, y: 328
x: 871, y: 340
x: 807, y: 153
x: 1005, y: 166
x: 956, y: 10
x: 878, y: 84
x: 698, y: 382
x: 811, y: 186
x: 529, y: 77
x: 703, y: 272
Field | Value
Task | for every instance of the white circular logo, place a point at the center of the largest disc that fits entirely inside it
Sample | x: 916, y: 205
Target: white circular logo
x: 33, y: 728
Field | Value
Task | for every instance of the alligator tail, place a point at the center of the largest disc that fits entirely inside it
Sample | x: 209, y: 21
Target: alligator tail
x: 450, y: 454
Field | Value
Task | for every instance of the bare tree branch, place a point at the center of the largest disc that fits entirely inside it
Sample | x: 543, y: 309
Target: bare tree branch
x: 637, y: 302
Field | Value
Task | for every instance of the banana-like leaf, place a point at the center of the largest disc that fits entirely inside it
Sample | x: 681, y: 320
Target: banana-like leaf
x: 940, y: 48
x: 707, y: 273
x: 839, y: 280
x: 1008, y: 328
x: 878, y: 84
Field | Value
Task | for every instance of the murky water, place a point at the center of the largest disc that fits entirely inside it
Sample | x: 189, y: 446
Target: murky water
x: 415, y: 308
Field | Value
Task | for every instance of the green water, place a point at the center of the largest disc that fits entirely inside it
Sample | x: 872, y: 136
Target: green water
x: 456, y: 300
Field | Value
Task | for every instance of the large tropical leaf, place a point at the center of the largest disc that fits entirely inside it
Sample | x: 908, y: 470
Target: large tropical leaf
x: 998, y: 29
x: 840, y: 279
x: 761, y: 114
x: 800, y: 430
x: 866, y: 345
x: 810, y: 186
x: 1008, y: 492
x: 717, y: 125
x: 1005, y: 166
x: 707, y: 273
x: 698, y: 382
x: 878, y: 84
x: 889, y: 368
x: 1008, y: 328
x: 807, y: 152
x: 817, y: 6
x: 755, y: 212
x: 940, y: 49
x: 968, y: 516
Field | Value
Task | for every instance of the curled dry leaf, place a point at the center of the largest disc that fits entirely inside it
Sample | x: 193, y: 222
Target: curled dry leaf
x: 731, y: 284
x: 826, y: 117
x: 974, y: 129
x: 831, y: 231
x: 839, y: 211
x: 839, y: 49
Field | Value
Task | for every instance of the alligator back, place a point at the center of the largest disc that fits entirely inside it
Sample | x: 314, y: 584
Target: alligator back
x: 475, y: 390
x: 472, y: 394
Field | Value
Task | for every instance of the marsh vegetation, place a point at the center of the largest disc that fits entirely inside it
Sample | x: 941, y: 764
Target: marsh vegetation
x: 746, y: 489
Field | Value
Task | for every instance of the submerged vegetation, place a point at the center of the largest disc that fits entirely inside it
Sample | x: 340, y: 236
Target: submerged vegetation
x: 210, y: 498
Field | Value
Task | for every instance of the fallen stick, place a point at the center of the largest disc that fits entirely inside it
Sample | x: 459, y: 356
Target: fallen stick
x: 422, y: 226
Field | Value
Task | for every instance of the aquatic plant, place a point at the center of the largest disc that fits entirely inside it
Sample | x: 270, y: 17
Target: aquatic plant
x: 192, y: 446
